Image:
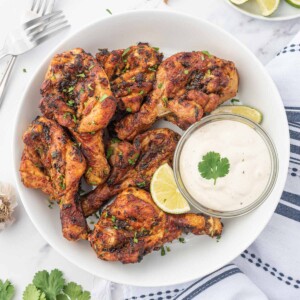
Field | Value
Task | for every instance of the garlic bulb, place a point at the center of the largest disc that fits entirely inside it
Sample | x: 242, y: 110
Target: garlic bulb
x: 8, y: 203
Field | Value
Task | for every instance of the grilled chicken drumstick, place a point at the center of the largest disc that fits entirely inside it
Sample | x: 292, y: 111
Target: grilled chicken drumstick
x: 76, y: 93
x: 52, y: 163
x: 131, y: 73
x: 188, y: 85
x: 133, y: 165
x: 133, y: 226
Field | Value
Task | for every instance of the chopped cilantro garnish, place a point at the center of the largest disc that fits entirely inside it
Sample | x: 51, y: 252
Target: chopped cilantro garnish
x: 207, y: 53
x: 186, y: 72
x: 82, y: 75
x: 129, y: 109
x: 103, y: 98
x: 141, y: 184
x: 181, y: 240
x: 109, y: 11
x: 160, y: 85
x: 70, y: 102
x: 162, y: 251
x: 156, y: 49
x: 234, y: 101
x: 109, y: 153
x: 125, y: 52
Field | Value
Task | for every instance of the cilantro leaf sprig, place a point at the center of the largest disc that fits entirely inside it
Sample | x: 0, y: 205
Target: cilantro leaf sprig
x: 213, y: 166
x: 7, y: 290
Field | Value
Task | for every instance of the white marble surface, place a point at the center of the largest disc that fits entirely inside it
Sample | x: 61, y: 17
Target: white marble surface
x: 22, y: 250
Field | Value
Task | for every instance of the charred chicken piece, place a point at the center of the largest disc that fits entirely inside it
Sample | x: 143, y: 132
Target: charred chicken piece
x: 76, y: 93
x: 133, y: 226
x: 131, y: 73
x: 155, y: 147
x: 92, y: 147
x: 52, y: 163
x: 188, y: 85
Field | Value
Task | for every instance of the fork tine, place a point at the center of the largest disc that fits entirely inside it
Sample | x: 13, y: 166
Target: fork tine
x: 33, y: 5
x: 33, y: 30
x: 39, y: 6
x: 47, y: 36
x: 44, y: 8
x: 49, y: 30
x: 40, y: 20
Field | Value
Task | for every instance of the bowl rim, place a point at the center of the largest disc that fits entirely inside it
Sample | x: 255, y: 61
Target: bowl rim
x: 60, y: 45
x: 259, y: 17
x: 271, y: 180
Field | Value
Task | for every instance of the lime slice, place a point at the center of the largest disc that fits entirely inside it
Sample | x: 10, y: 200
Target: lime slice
x: 238, y: 2
x: 295, y: 3
x: 268, y: 7
x: 165, y: 193
x: 242, y: 110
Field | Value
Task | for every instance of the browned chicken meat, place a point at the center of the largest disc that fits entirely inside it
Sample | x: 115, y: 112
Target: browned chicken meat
x: 131, y: 73
x: 188, y: 85
x: 53, y: 163
x: 76, y: 93
x: 133, y: 226
x: 133, y: 165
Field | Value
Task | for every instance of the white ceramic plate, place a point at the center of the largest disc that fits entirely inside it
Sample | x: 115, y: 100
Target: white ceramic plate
x: 283, y: 13
x: 172, y: 32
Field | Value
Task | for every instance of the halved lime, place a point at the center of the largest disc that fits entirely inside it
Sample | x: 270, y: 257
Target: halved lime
x: 238, y: 2
x: 242, y: 110
x: 295, y: 3
x: 165, y: 193
x: 268, y: 7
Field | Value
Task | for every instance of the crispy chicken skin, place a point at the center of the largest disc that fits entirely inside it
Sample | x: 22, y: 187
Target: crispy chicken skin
x: 52, y: 163
x: 76, y: 93
x: 188, y: 85
x: 131, y: 73
x: 140, y: 160
x: 133, y: 226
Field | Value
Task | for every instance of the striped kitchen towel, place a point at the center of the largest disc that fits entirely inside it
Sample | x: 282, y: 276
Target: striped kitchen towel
x: 270, y: 267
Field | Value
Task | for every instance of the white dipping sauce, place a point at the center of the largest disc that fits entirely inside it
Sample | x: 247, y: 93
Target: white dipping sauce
x: 250, y: 165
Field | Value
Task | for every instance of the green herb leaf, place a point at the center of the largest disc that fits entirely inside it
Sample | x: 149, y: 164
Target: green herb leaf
x: 181, y: 240
x: 71, y: 88
x: 103, y: 98
x: 74, y: 118
x: 234, y: 101
x: 125, y: 52
x: 7, y: 290
x: 168, y: 249
x: 133, y: 160
x: 160, y: 85
x: 218, y: 238
x: 51, y: 284
x: 115, y: 140
x: 141, y: 184
x: 152, y: 69
x: 24, y: 70
x: 90, y: 87
x: 32, y: 293
x: 207, y: 53
x: 135, y: 239
x: 109, y: 153
x: 165, y: 100
x: 213, y: 166
x: 70, y: 102
x: 162, y: 251
x: 186, y: 72
x: 75, y: 292
x: 82, y: 75
x: 91, y: 67
x: 141, y: 92
x: 156, y: 49
x: 109, y: 11
x: 128, y: 109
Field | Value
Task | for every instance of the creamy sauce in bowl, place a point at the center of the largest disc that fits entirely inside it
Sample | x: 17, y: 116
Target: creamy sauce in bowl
x: 249, y: 165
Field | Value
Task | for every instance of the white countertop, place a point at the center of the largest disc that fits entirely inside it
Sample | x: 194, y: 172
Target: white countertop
x: 22, y: 250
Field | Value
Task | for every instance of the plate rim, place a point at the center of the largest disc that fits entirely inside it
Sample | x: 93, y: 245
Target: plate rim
x: 285, y: 163
x: 259, y: 17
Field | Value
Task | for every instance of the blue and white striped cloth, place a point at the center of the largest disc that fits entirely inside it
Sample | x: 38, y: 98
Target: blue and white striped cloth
x: 270, y: 267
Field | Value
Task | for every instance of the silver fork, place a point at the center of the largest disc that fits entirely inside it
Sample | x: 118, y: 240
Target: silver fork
x: 38, y: 8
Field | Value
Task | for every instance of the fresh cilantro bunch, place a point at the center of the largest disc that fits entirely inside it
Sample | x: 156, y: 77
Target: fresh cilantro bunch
x: 7, y: 290
x: 213, y: 166
x: 52, y: 286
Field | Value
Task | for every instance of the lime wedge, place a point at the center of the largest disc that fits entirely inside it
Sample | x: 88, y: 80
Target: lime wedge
x: 242, y: 110
x: 238, y: 2
x: 295, y: 3
x: 268, y: 7
x: 165, y: 193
